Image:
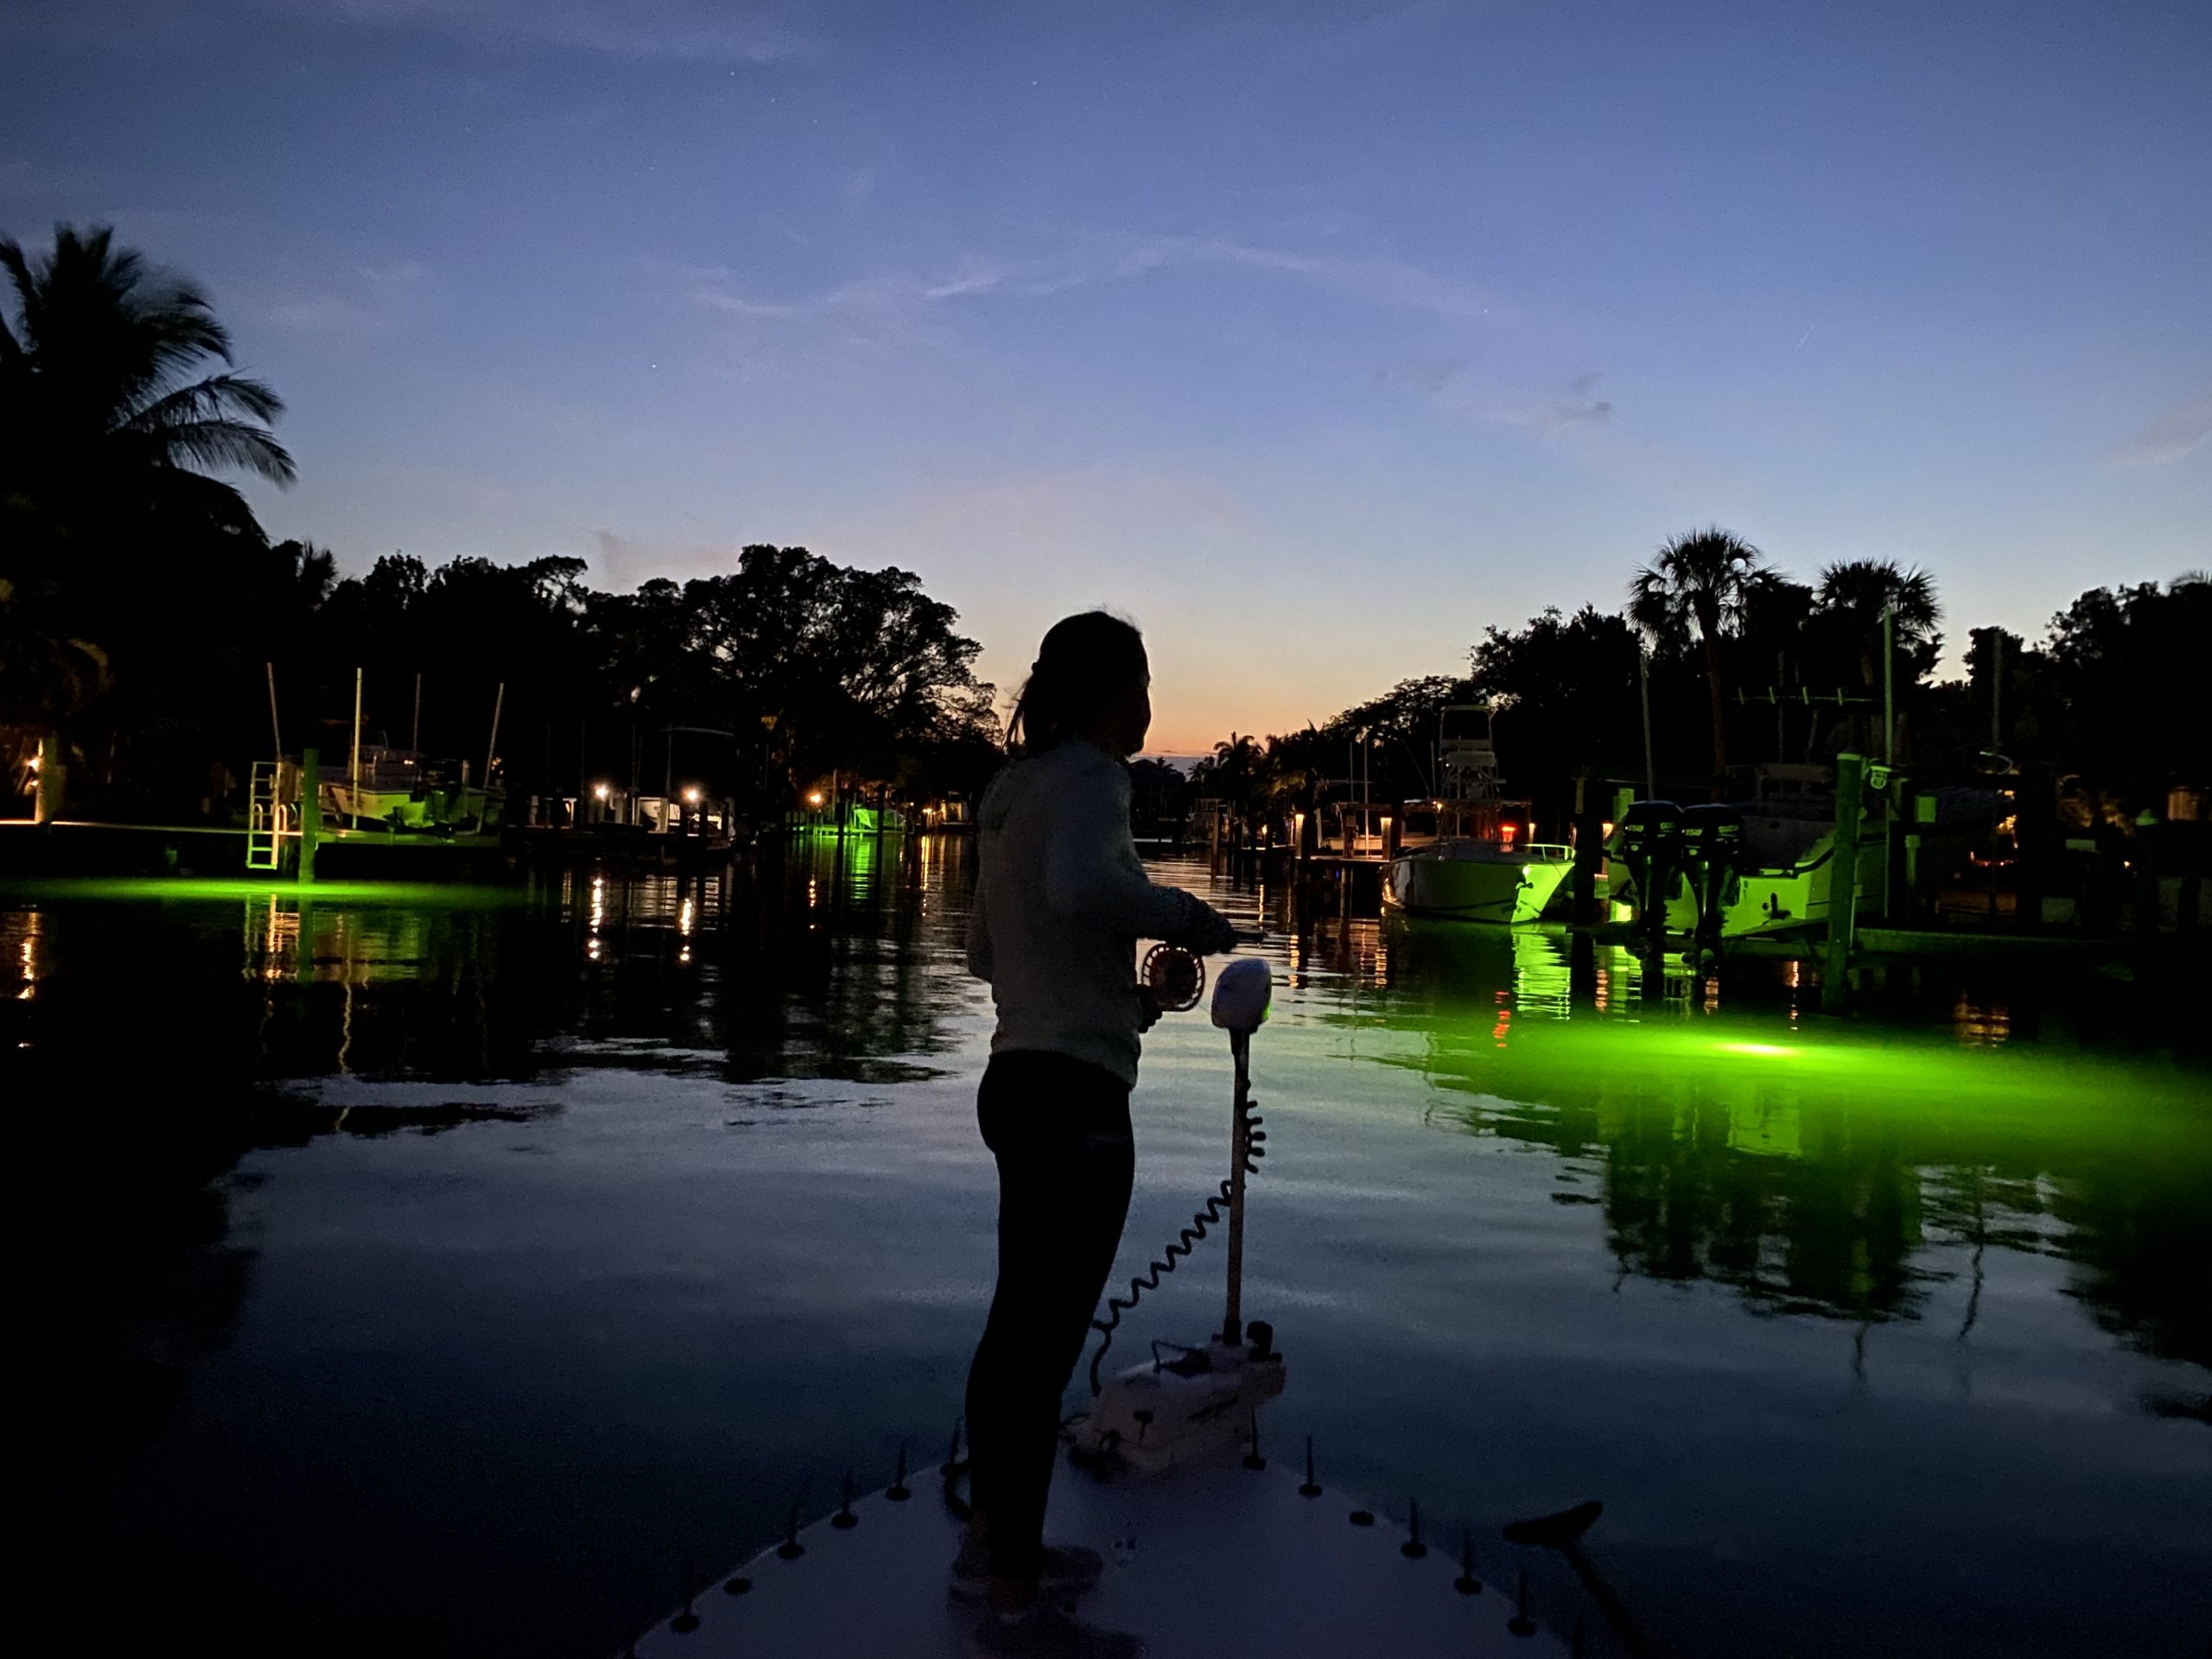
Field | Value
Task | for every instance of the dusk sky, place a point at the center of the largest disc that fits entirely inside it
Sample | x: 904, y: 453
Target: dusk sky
x: 1314, y: 337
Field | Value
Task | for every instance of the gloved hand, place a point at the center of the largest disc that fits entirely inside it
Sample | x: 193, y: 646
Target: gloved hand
x: 1205, y: 930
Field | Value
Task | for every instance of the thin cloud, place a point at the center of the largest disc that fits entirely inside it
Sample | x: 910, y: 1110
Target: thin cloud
x: 1380, y: 281
x: 364, y: 299
x: 712, y: 31
x: 891, y: 291
x: 327, y: 314
x: 680, y: 30
x: 1428, y: 376
x: 1581, y: 423
x: 1582, y: 406
x: 2167, y: 439
x: 1580, y: 411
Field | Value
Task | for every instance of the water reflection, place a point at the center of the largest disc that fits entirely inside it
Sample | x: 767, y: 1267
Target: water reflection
x: 21, y: 934
x: 1754, y: 1163
x: 1836, y: 1174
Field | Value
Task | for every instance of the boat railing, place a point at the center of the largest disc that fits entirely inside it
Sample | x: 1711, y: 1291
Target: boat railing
x: 1549, y: 852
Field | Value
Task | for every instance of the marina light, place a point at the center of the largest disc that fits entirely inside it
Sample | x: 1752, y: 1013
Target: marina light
x: 601, y: 790
x: 692, y: 796
x: 814, y: 798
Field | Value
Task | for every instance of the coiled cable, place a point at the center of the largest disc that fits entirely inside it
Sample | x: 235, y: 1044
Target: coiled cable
x: 1201, y: 1222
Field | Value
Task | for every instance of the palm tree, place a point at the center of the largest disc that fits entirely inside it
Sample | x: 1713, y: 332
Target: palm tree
x: 1858, y: 591
x: 110, y: 423
x: 1704, y: 576
x: 103, y: 394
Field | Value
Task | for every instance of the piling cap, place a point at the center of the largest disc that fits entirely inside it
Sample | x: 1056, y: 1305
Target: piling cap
x: 1240, y: 994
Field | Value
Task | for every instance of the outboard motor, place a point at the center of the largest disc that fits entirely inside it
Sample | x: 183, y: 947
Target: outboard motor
x: 1712, y: 853
x: 1651, y: 846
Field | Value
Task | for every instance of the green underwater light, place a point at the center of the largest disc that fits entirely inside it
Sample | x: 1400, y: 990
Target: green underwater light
x: 204, y: 889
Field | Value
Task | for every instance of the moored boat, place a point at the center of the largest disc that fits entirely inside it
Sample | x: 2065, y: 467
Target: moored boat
x: 1463, y: 878
x: 1470, y: 854
x: 396, y: 794
x: 1781, y: 879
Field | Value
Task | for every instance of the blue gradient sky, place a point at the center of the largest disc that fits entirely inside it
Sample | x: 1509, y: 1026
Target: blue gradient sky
x: 1316, y: 337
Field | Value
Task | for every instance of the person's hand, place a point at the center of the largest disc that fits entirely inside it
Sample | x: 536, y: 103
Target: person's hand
x: 1208, y: 932
x: 1148, y: 1009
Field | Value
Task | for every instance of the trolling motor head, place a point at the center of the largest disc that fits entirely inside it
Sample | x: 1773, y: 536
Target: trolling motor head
x: 1241, y: 994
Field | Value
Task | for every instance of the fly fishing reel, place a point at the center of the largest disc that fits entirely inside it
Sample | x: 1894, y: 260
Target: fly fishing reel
x: 1176, y: 978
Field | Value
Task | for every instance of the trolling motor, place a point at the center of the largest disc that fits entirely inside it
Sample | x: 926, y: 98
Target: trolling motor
x: 1169, y: 1410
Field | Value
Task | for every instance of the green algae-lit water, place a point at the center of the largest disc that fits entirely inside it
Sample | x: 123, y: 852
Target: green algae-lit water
x: 401, y: 1274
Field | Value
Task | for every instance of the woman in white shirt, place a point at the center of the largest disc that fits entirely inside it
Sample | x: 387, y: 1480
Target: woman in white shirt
x: 1061, y: 901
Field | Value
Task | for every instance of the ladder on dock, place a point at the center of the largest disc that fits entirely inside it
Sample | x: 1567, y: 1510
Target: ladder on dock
x: 265, y: 823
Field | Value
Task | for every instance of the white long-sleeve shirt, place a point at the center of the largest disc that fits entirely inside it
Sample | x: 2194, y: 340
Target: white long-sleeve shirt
x: 1061, y: 900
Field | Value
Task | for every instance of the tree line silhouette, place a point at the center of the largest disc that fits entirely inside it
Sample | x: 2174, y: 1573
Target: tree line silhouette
x: 143, y: 609
x: 1742, y: 666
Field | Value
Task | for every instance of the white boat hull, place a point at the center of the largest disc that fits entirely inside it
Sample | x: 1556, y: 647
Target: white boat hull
x: 1498, y: 886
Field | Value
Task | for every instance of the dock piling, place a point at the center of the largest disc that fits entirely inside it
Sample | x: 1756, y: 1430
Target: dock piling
x: 1843, y: 885
x: 310, y: 812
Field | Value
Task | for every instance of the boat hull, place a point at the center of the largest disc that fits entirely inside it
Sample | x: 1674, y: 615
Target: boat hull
x: 1771, y: 900
x: 1505, y: 889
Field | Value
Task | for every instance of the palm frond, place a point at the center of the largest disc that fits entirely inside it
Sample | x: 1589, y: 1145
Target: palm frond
x: 1656, y: 607
x: 26, y: 288
x: 218, y: 396
x: 232, y: 444
x: 1863, y: 589
x: 178, y: 322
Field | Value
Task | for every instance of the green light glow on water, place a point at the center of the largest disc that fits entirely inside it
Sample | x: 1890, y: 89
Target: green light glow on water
x: 624, y: 1152
x: 192, y: 889
x: 1841, y: 1063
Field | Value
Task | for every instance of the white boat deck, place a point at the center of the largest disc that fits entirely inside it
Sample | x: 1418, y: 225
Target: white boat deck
x: 1209, y: 1560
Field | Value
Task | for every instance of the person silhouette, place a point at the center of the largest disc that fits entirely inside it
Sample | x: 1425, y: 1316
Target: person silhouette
x: 1060, y: 902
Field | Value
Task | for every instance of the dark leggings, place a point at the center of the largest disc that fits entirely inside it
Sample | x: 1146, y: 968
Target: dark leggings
x: 1060, y: 1130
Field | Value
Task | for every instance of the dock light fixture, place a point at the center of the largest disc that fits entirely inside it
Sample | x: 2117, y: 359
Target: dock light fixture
x: 814, y: 798
x: 692, y: 796
x: 600, y: 791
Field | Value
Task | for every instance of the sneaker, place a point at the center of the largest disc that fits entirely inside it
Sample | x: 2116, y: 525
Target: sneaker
x: 1068, y: 1572
x: 1041, y: 1630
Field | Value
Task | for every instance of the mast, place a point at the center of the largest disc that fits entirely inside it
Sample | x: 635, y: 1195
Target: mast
x: 355, y: 772
x: 1643, y: 691
x: 491, y: 749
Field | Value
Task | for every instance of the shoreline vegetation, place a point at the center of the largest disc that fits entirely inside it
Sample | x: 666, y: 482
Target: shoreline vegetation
x: 154, y: 642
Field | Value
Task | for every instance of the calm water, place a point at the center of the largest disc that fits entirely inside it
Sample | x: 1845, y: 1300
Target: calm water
x: 431, y: 1278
